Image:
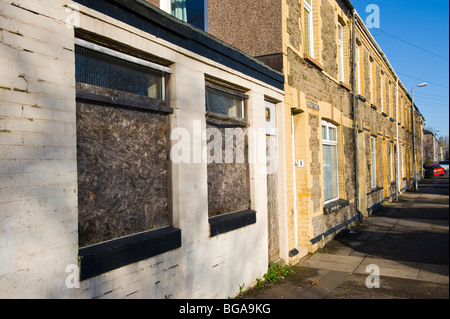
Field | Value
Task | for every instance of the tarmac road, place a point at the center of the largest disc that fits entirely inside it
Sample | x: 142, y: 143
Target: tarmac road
x: 407, y: 241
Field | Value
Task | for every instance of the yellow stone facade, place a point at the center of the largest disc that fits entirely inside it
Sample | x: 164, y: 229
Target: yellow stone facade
x: 345, y: 71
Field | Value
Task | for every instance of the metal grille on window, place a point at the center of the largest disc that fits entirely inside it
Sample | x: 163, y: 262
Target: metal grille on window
x: 224, y: 103
x: 99, y: 69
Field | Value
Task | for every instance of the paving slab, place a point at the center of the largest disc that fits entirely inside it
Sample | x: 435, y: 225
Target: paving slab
x: 283, y: 290
x: 381, y: 221
x: 304, y: 276
x: 292, y: 286
x: 434, y: 273
x: 440, y: 227
x: 415, y: 224
x: 391, y: 268
x: 354, y: 287
x: 325, y: 286
x: 341, y: 263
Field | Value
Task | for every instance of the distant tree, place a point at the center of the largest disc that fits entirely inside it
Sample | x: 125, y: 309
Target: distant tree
x: 431, y: 129
x: 444, y: 143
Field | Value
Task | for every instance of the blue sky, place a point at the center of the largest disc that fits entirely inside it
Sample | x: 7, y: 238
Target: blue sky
x: 414, y: 35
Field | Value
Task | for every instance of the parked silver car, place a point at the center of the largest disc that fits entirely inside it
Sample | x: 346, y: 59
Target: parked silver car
x: 443, y: 164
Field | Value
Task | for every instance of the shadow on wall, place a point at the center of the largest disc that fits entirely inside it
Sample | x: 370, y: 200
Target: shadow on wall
x: 38, y: 192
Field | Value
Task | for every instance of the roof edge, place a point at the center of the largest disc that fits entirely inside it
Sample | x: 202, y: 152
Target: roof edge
x: 150, y: 19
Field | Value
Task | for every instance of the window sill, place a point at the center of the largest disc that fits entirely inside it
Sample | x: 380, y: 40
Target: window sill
x: 101, y: 258
x: 313, y: 61
x: 229, y: 222
x: 345, y: 86
x: 334, y: 206
x: 362, y: 98
x: 374, y: 190
x: 94, y: 93
x: 222, y: 119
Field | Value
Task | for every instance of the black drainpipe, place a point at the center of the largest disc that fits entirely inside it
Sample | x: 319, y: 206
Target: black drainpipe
x: 354, y: 114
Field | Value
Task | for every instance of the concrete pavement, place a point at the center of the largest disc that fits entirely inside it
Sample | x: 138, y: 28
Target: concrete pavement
x: 407, y: 241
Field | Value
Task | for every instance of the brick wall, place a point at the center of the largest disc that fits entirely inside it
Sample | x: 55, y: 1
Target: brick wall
x: 38, y: 188
x: 237, y: 23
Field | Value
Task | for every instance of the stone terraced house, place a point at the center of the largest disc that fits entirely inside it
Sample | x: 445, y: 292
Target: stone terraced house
x: 348, y: 118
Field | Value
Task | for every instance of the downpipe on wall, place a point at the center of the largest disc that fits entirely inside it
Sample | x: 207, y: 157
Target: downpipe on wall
x: 355, y: 128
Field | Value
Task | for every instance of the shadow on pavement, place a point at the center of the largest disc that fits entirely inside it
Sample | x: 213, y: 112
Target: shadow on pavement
x: 414, y: 229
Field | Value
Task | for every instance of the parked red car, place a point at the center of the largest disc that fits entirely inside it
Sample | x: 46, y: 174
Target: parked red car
x: 432, y: 170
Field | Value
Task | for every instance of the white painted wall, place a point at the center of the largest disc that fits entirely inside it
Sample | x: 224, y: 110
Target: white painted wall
x: 38, y: 170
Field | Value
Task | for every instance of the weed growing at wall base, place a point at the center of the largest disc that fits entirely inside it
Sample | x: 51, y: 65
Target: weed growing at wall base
x: 277, y: 272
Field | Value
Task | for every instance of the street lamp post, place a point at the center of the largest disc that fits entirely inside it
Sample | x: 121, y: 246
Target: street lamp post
x: 416, y: 187
x: 439, y: 145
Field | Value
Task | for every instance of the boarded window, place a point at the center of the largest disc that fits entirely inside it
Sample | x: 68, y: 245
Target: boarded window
x: 122, y: 151
x: 228, y: 174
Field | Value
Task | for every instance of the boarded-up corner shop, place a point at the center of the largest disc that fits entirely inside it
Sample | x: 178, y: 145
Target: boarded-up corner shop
x: 90, y: 105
